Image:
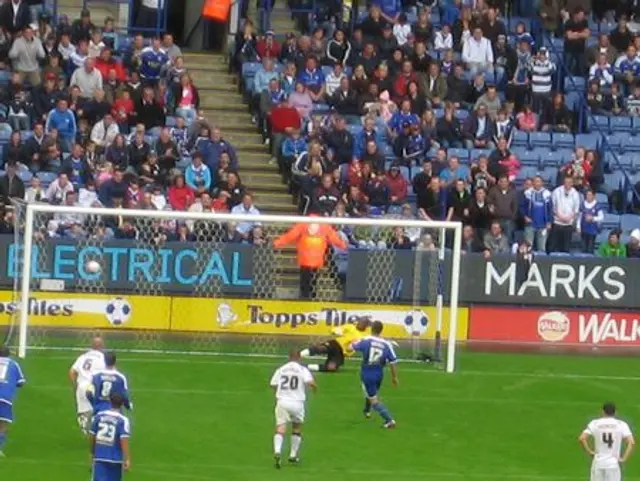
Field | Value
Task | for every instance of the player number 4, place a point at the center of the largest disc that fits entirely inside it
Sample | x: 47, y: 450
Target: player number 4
x: 607, y: 438
x: 289, y: 382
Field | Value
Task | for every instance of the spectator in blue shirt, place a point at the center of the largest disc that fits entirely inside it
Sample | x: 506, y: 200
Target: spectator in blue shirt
x: 536, y: 209
x: 389, y: 9
x: 64, y: 121
x: 368, y: 134
x: 212, y: 150
x: 263, y: 77
x: 403, y: 116
x: 153, y: 60
x: 454, y: 172
x: 313, y: 79
x: 589, y: 221
x: 198, y: 175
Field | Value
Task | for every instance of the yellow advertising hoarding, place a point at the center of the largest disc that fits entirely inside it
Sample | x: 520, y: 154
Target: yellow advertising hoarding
x: 305, y: 318
x: 99, y: 311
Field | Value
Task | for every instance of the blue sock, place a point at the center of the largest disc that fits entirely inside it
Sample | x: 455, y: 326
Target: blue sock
x: 382, y: 410
x: 367, y: 406
x: 3, y: 439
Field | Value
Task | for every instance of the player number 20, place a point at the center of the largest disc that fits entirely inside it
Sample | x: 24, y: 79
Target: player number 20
x: 106, y: 389
x: 106, y: 433
x: 607, y: 438
x: 289, y: 382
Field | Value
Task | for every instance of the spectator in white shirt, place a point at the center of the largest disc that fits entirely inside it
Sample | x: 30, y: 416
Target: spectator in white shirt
x: 105, y: 132
x: 80, y: 54
x: 65, y: 48
x: 59, y: 189
x: 88, y: 79
x: 246, y: 207
x: 333, y: 80
x: 566, y: 208
x: 477, y: 53
x: 443, y: 39
x: 35, y: 192
x: 96, y: 45
x: 66, y: 224
x: 602, y: 71
x: 402, y: 30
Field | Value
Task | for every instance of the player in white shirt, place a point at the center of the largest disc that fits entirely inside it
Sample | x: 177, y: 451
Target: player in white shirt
x: 290, y: 383
x: 608, y: 434
x: 81, y: 375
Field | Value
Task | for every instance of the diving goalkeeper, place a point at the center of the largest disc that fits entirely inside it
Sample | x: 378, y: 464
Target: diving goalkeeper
x: 338, y: 347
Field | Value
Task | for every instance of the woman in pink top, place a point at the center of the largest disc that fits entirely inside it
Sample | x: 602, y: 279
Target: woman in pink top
x: 187, y: 99
x: 301, y: 101
x: 527, y: 120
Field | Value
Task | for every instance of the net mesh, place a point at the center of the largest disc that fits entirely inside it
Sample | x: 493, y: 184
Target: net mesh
x: 130, y: 298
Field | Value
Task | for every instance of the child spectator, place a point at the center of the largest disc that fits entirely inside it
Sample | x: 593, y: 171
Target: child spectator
x: 589, y: 221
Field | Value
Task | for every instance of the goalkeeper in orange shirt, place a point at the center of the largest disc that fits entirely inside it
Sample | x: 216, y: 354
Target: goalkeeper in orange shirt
x: 338, y: 347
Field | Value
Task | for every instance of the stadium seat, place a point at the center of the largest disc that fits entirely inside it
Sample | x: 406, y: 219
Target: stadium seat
x: 171, y: 122
x: 462, y: 154
x: 574, y: 84
x: 519, y: 138
x: 526, y: 173
x: 587, y: 141
x: 549, y: 175
x: 626, y: 161
x: 475, y: 153
x: 611, y: 221
x: 355, y: 129
x: 619, y: 123
x: 615, y: 180
x: 25, y: 175
x: 630, y: 144
x: 539, y: 139
x: 602, y: 236
x: 562, y: 141
x: 529, y: 158
x: 552, y: 159
x: 46, y: 177
x: 628, y: 222
x: 603, y: 201
x: 598, y: 123
x: 572, y: 100
x: 4, y: 136
x: 635, y: 125
x: 462, y: 115
x: 615, y: 140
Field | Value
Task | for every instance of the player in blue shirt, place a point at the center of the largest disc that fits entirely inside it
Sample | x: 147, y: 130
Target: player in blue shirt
x: 153, y: 61
x: 109, y: 441
x: 11, y: 378
x: 108, y: 382
x: 376, y: 354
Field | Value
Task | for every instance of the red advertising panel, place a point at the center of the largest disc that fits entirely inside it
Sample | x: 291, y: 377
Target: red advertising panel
x: 548, y: 326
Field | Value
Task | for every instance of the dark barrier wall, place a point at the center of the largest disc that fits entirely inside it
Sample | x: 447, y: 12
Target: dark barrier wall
x: 372, y: 276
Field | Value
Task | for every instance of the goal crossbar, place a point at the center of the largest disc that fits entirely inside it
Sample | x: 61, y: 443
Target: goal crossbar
x: 33, y: 209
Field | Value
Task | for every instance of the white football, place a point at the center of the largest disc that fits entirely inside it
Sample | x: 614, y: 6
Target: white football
x: 118, y: 311
x: 93, y: 267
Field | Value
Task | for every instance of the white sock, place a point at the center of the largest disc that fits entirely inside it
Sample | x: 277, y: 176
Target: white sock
x: 305, y: 353
x: 296, y: 440
x: 313, y: 367
x: 278, y: 439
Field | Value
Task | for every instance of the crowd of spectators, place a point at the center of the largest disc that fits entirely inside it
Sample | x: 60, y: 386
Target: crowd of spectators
x: 421, y: 112
x: 89, y: 117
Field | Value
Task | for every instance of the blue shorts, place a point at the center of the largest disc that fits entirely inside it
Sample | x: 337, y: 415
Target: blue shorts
x: 371, y: 387
x: 106, y: 471
x: 6, y: 412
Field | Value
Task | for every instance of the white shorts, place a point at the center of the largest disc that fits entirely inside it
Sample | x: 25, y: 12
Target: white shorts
x: 82, y: 403
x: 606, y: 474
x: 289, y: 412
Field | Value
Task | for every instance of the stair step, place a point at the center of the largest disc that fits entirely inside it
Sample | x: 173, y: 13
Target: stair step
x: 203, y: 78
x: 239, y: 118
x: 208, y: 60
x: 241, y: 138
x: 260, y: 177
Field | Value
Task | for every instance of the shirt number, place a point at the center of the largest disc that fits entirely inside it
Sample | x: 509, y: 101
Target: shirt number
x: 106, y: 389
x: 607, y: 438
x: 4, y: 370
x: 87, y: 365
x: 106, y: 433
x: 375, y: 354
x: 291, y: 383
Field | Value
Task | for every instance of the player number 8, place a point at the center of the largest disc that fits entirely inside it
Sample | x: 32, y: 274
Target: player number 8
x: 106, y: 433
x: 106, y: 389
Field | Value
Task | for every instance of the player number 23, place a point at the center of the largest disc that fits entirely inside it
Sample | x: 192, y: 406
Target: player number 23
x: 106, y: 433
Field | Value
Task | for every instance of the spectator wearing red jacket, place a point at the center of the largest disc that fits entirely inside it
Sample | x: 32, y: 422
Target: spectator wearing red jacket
x: 180, y: 195
x: 268, y: 46
x: 122, y: 110
x: 401, y: 84
x: 282, y: 120
x: 398, y: 187
x: 106, y: 62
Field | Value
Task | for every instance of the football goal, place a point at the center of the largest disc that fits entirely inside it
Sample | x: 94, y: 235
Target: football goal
x: 212, y: 283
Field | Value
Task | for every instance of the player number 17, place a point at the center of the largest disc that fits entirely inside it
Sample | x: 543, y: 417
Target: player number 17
x: 375, y: 353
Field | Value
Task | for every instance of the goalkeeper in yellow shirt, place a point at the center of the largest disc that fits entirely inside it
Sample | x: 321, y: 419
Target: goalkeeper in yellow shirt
x: 338, y: 347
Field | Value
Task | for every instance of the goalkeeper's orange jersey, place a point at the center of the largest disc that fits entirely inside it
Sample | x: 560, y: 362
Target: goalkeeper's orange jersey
x: 347, y: 335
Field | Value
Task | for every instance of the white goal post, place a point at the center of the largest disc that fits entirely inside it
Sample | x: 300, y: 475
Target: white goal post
x: 442, y: 229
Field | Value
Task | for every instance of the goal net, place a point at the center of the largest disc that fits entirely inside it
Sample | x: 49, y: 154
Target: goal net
x: 199, y: 282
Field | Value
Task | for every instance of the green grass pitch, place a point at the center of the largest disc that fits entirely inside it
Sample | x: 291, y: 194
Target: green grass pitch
x: 500, y: 417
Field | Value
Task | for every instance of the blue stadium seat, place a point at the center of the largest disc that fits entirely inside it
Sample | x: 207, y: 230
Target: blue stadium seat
x: 615, y: 140
x: 475, y: 153
x: 606, y: 27
x: 355, y: 129
x: 562, y: 141
x: 615, y: 180
x: 527, y: 172
x: 46, y: 177
x: 529, y: 158
x: 626, y: 161
x: 635, y: 125
x: 620, y: 124
x: 438, y: 113
x: 628, y: 222
x: 171, y: 122
x: 552, y: 159
x: 572, y: 100
x: 549, y: 175
x: 587, y: 141
x: 25, y: 175
x: 514, y: 21
x: 540, y: 139
x: 611, y: 221
x: 4, y: 136
x: 598, y: 123
x: 602, y: 236
x: 462, y: 154
x: 574, y: 84
x: 519, y: 138
x: 602, y: 199
x: 462, y: 115
x: 326, y: 70
x: 631, y: 144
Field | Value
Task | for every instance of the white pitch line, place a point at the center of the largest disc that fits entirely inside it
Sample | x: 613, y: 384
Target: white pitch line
x: 251, y: 360
x: 168, y: 469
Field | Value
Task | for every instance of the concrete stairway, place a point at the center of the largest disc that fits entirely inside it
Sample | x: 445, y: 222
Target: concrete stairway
x: 100, y: 9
